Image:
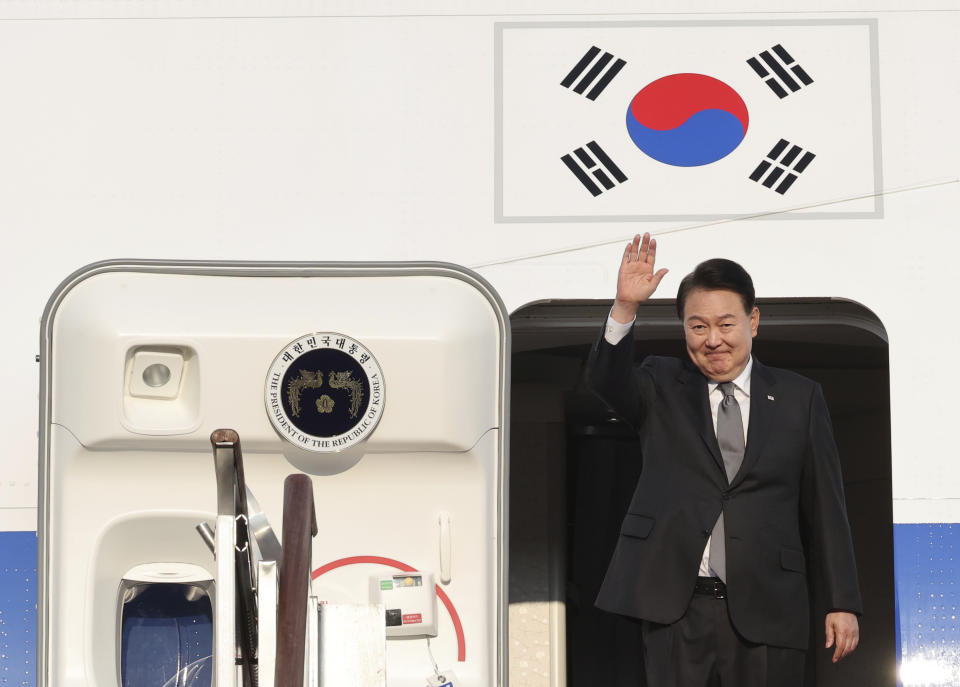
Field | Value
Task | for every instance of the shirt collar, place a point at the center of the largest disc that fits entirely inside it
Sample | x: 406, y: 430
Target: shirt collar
x: 742, y: 380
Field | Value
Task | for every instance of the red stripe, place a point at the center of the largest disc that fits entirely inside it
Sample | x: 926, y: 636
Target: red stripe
x: 393, y: 563
x: 457, y: 626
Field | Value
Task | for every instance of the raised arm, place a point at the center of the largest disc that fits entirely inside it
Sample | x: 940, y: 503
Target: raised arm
x: 609, y: 371
x: 637, y: 278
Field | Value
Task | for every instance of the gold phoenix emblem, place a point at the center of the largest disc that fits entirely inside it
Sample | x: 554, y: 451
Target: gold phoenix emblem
x: 314, y: 380
x: 306, y: 380
x: 345, y: 380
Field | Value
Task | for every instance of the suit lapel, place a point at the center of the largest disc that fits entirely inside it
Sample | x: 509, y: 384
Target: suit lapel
x: 762, y: 398
x: 697, y: 404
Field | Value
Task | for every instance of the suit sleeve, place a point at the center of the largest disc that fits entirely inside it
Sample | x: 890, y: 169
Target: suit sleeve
x: 611, y: 376
x: 826, y: 513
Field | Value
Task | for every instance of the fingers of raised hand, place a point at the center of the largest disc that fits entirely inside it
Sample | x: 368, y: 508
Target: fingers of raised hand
x: 631, y: 252
x: 652, y: 252
x: 648, y: 249
x: 641, y: 250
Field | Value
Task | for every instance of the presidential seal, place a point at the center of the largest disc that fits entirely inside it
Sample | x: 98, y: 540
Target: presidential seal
x: 324, y: 392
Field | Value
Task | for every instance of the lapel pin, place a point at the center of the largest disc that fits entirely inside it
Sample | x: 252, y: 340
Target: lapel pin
x: 770, y: 398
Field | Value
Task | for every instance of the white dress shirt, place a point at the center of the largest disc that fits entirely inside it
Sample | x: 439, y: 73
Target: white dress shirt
x: 614, y: 333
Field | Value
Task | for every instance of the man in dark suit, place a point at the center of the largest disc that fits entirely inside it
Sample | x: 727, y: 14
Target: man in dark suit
x: 740, y: 481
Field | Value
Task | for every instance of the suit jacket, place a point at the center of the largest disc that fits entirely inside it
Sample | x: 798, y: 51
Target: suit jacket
x: 786, y: 498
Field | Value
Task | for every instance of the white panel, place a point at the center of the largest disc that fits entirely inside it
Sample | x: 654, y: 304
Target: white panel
x: 907, y: 511
x: 420, y: 329
x: 19, y: 519
x: 352, y: 645
x: 399, y: 510
x: 439, y: 341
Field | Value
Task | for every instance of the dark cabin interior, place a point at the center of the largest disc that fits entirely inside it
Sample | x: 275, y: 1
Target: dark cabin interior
x: 573, y: 468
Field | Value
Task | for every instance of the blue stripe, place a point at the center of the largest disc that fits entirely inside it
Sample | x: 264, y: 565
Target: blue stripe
x: 18, y: 608
x: 927, y: 578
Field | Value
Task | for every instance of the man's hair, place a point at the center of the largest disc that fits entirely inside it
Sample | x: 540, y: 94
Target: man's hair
x: 718, y: 274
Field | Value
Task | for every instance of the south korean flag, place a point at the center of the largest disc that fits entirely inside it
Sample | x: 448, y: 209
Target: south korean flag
x: 687, y: 120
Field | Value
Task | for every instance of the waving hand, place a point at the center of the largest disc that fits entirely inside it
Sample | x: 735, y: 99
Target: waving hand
x: 636, y: 280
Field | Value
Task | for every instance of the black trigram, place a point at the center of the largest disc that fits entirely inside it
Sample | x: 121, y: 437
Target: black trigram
x: 793, y: 162
x: 779, y: 68
x: 599, y: 167
x: 601, y: 68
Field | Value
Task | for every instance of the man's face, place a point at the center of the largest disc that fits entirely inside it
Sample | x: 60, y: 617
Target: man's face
x: 719, y: 334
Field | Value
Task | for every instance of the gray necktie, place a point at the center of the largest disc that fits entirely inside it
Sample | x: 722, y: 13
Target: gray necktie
x: 730, y: 438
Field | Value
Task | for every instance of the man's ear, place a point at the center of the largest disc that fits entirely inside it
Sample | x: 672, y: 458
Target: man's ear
x: 754, y: 321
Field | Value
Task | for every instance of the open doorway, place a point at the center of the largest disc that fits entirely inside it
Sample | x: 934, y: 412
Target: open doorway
x: 574, y: 467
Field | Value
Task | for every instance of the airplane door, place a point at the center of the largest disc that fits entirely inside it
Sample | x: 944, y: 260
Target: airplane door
x: 385, y: 383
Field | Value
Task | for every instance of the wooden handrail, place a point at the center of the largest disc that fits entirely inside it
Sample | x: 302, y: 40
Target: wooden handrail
x: 299, y: 528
